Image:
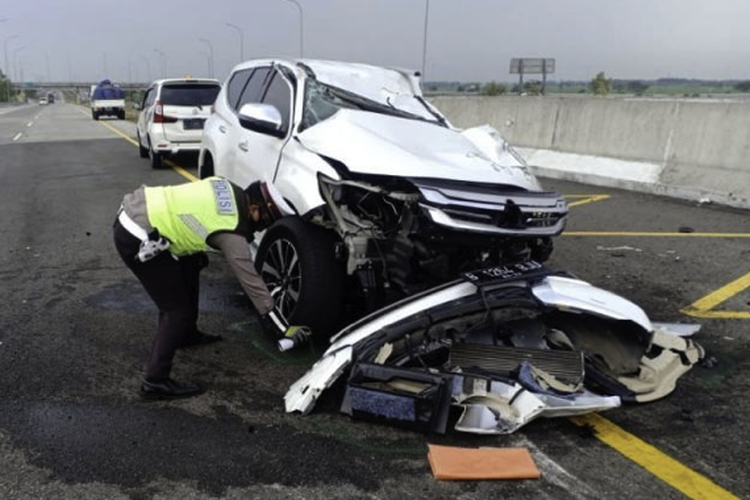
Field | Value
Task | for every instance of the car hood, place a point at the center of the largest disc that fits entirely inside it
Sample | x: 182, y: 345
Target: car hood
x: 378, y: 144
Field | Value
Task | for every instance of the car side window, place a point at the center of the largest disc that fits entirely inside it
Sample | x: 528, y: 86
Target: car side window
x: 236, y: 85
x: 253, y: 87
x: 146, y: 98
x: 279, y: 95
x: 151, y: 96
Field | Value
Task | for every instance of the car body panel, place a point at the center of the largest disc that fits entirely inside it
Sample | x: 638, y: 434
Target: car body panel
x: 482, y: 407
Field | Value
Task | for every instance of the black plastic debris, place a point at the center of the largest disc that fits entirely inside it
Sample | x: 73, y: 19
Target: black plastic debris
x: 403, y: 397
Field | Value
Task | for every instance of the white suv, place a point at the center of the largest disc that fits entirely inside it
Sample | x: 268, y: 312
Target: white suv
x: 172, y: 116
x: 390, y: 197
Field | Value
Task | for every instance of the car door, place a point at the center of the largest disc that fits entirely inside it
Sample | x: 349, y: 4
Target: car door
x: 257, y: 153
x: 251, y: 93
x: 218, y: 130
x: 142, y: 124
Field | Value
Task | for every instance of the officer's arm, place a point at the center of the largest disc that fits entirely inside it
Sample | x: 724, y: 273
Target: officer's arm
x: 237, y: 252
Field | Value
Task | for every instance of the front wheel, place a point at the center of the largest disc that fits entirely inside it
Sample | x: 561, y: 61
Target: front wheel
x: 296, y: 259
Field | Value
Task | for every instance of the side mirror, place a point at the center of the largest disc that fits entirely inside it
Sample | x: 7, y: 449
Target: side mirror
x: 262, y: 118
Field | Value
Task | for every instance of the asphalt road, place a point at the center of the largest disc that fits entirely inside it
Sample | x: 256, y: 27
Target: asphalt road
x: 75, y: 330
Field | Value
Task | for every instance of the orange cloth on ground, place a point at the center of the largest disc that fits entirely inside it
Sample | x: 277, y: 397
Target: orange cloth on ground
x: 448, y: 462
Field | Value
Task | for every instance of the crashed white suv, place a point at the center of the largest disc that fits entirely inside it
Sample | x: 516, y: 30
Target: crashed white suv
x: 391, y: 198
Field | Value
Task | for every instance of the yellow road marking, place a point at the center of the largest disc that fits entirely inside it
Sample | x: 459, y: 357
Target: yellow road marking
x: 656, y: 234
x: 181, y: 171
x: 132, y: 141
x: 666, y: 468
x: 120, y: 133
x: 586, y: 198
x: 702, y: 308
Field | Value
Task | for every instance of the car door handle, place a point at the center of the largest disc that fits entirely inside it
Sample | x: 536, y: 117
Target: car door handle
x: 243, y: 146
x: 222, y: 129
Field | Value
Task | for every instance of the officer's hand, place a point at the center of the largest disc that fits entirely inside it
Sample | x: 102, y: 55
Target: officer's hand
x: 294, y: 336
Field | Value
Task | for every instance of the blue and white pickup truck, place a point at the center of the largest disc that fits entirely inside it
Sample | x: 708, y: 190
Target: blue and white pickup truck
x: 107, y: 99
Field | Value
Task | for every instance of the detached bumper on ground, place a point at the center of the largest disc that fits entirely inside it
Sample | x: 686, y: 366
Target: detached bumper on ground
x: 508, y: 345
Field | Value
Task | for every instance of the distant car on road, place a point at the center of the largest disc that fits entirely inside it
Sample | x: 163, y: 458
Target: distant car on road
x: 172, y: 115
x: 107, y: 99
x: 391, y: 198
x: 42, y: 101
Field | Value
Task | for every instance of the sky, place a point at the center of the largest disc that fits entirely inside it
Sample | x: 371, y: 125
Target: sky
x: 467, y: 40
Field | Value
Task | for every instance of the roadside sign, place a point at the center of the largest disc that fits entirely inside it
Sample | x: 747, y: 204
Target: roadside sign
x: 532, y: 65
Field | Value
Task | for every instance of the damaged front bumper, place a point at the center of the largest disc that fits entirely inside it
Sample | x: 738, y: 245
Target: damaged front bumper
x: 507, y: 345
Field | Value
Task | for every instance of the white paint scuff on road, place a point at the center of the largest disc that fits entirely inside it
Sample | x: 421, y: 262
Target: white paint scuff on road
x: 17, y: 136
x: 29, y: 124
x: 556, y: 474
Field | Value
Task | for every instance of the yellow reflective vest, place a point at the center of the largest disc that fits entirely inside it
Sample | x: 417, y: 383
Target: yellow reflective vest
x: 187, y: 214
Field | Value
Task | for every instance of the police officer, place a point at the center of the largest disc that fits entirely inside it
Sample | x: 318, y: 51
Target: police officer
x: 162, y: 234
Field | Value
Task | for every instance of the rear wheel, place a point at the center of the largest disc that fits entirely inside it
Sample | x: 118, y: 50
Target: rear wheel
x: 143, y: 152
x: 157, y: 161
x: 207, y: 168
x: 95, y: 115
x: 296, y: 260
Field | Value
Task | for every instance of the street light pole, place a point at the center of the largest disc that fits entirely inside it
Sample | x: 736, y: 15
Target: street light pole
x: 424, y: 43
x: 163, y: 59
x: 211, y: 51
x: 5, y: 48
x: 242, y: 40
x: 7, y: 68
x: 208, y: 60
x: 148, y: 67
x: 301, y: 29
x: 15, y: 61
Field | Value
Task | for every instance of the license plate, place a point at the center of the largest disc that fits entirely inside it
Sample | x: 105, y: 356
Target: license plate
x: 193, y: 124
x: 499, y: 274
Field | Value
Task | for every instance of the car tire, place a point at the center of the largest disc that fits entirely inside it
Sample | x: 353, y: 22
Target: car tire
x: 157, y: 160
x: 143, y: 152
x: 121, y: 115
x: 297, y: 258
x: 95, y: 115
x: 207, y: 168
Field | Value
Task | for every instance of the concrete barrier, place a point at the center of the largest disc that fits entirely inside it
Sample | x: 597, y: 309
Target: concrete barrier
x: 689, y: 149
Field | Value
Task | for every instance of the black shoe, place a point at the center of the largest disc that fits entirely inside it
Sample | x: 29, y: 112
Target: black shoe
x: 169, y: 389
x: 200, y: 338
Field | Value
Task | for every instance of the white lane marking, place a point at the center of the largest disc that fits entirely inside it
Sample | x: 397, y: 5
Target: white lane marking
x: 18, y: 136
x: 554, y: 473
x: 29, y: 124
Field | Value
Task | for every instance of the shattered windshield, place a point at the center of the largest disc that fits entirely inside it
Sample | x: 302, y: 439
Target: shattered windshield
x: 323, y: 101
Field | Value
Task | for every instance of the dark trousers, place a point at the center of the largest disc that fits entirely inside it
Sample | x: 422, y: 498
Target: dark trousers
x: 174, y: 287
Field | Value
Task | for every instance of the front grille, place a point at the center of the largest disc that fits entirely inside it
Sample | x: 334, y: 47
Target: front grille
x: 498, y: 209
x: 566, y: 366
